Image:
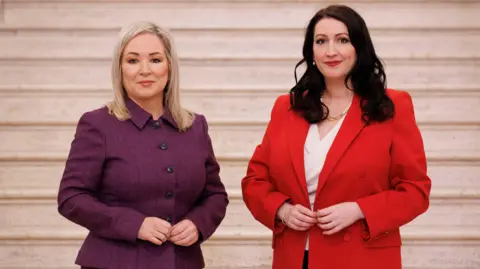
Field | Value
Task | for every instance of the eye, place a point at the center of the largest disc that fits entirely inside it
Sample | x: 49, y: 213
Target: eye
x: 156, y: 61
x: 344, y: 40
x: 320, y: 41
x: 132, y: 61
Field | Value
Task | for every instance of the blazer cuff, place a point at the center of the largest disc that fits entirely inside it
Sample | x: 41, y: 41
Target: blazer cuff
x: 131, y: 226
x: 203, y: 231
x: 272, y: 203
x: 371, y: 229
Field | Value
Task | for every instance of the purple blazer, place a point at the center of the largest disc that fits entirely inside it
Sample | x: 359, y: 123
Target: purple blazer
x: 119, y: 172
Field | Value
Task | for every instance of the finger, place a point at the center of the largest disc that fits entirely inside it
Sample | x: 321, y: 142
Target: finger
x: 325, y: 212
x: 297, y: 228
x: 160, y: 236
x: 193, y: 240
x: 183, y: 241
x: 187, y: 241
x: 328, y: 226
x: 162, y: 226
x: 179, y: 228
x: 337, y: 229
x: 300, y: 223
x: 305, y: 218
x: 164, y: 230
x: 155, y: 240
x: 326, y: 219
x: 307, y: 212
x: 181, y: 236
x: 162, y: 222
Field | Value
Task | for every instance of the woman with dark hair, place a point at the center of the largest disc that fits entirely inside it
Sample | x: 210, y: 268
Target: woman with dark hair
x: 342, y: 163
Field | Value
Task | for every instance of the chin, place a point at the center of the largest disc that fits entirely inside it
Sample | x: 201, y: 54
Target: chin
x: 334, y: 76
x: 146, y: 95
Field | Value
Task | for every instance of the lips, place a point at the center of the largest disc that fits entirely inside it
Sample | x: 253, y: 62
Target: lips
x: 333, y: 63
x: 145, y: 83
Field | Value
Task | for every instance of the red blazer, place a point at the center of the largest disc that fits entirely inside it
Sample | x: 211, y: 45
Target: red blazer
x: 381, y: 166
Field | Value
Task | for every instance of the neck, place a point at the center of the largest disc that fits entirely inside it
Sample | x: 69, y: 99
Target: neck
x: 336, y: 89
x: 154, y: 106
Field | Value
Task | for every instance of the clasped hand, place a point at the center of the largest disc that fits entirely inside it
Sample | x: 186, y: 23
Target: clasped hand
x: 331, y: 219
x: 157, y: 231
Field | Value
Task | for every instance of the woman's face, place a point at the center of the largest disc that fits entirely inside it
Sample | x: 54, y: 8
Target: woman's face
x: 144, y: 67
x: 334, y: 54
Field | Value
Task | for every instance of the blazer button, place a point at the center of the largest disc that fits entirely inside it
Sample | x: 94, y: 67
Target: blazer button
x: 346, y: 237
x: 169, y: 219
x: 156, y: 125
x: 170, y: 169
x: 169, y: 195
x: 163, y: 146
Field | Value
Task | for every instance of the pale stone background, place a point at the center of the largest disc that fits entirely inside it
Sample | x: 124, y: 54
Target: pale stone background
x: 236, y: 57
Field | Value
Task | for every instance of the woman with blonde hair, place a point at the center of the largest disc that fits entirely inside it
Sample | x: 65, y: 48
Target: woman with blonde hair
x: 141, y: 174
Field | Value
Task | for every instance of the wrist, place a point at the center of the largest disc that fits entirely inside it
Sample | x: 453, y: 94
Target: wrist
x: 359, y: 212
x: 283, y: 212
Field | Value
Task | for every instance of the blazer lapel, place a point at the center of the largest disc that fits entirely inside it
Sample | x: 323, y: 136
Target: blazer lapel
x: 351, y: 127
x: 297, y: 134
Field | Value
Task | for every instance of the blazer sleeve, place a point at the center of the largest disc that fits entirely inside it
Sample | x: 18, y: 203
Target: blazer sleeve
x: 409, y: 196
x: 81, y: 180
x: 210, y: 209
x: 259, y: 193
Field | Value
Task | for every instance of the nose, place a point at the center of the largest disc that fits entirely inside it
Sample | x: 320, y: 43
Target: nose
x: 144, y: 68
x: 331, y: 49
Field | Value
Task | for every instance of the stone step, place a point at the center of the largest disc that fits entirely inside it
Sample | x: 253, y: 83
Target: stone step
x: 225, y: 14
x: 218, y: 106
x: 28, y: 215
x: 442, y: 250
x: 228, y: 139
x: 239, y: 44
x: 205, y: 75
x: 40, y: 176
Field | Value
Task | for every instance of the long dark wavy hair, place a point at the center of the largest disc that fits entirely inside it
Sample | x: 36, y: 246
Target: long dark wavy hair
x: 367, y: 77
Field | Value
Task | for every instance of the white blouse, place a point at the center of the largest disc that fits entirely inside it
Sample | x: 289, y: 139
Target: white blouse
x: 315, y: 152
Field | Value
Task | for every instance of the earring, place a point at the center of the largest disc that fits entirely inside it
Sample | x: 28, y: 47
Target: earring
x: 313, y: 62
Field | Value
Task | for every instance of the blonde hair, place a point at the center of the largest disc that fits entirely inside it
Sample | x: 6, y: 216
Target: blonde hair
x: 117, y: 107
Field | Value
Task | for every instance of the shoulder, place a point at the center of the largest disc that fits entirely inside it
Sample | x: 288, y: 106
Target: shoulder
x: 281, y: 104
x: 199, y: 131
x: 400, y: 98
x: 283, y: 101
x: 404, y: 110
x: 200, y: 123
x: 91, y: 125
x: 97, y: 118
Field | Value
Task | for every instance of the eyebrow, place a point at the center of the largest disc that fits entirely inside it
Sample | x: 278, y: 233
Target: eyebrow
x: 335, y: 35
x: 151, y: 54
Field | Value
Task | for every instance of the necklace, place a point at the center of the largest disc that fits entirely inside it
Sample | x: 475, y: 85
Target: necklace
x: 330, y: 118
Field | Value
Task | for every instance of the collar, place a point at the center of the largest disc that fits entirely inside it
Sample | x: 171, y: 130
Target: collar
x: 140, y: 117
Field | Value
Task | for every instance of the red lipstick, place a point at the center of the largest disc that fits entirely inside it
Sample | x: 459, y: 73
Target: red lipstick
x: 333, y: 63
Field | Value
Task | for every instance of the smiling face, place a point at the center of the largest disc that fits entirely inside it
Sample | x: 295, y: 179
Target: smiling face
x: 334, y: 54
x: 145, y: 67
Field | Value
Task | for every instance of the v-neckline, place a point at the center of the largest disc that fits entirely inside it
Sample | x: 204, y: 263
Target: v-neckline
x: 332, y: 130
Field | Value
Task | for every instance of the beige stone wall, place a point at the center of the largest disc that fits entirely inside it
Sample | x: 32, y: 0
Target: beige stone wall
x: 236, y: 57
